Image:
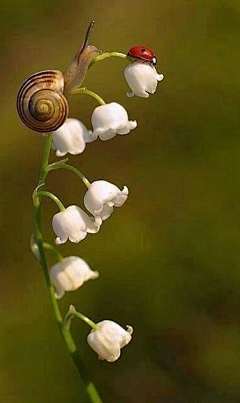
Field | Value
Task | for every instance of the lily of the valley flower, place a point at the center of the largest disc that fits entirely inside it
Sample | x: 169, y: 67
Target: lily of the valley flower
x: 101, y: 197
x: 71, y: 138
x: 108, y: 339
x: 73, y: 224
x: 142, y: 78
x: 70, y: 274
x: 111, y: 119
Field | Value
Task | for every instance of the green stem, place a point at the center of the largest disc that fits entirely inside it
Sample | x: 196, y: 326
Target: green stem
x: 50, y: 247
x: 106, y: 55
x: 46, y: 154
x: 79, y: 364
x: 59, y: 162
x: 92, y: 94
x: 51, y: 196
x: 54, y: 166
x: 66, y: 334
x: 85, y: 319
x: 72, y: 312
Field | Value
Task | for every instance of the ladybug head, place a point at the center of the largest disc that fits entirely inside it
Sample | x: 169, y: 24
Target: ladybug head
x: 154, y: 61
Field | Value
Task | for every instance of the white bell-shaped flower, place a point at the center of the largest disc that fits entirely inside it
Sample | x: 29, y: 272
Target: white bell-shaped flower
x: 73, y: 224
x: 101, y: 197
x: 142, y: 78
x: 108, y: 339
x: 70, y: 274
x: 71, y: 138
x: 111, y: 119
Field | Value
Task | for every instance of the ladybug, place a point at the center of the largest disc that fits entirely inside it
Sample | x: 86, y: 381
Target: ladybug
x: 143, y: 53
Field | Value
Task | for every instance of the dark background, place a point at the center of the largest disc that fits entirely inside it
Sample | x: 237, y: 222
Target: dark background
x: 169, y: 258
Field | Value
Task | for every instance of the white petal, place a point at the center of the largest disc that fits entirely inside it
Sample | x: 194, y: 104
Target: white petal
x: 78, y: 235
x: 70, y: 274
x: 130, y: 94
x: 72, y: 224
x: 93, y: 225
x: 142, y: 78
x: 107, y: 210
x: 121, y: 197
x: 160, y: 77
x: 70, y: 138
x: 132, y: 124
x: 107, y: 135
x: 99, y: 193
x: 89, y: 136
x: 102, y: 196
x: 60, y: 292
x: 108, y: 339
x: 109, y: 120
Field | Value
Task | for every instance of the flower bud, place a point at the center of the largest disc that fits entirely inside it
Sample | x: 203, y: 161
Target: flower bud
x: 142, y: 78
x: 73, y: 224
x: 108, y: 340
x: 70, y: 274
x: 102, y: 196
x: 71, y: 138
x: 111, y: 119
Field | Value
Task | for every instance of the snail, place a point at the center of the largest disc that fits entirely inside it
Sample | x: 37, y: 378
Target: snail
x: 42, y: 101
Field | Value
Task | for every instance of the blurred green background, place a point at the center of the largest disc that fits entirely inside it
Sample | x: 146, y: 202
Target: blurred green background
x: 169, y: 258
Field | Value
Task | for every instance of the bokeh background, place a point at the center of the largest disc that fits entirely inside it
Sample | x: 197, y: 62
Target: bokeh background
x: 169, y: 258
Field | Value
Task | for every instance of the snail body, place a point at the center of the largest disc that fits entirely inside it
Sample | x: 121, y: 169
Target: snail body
x: 42, y: 99
x: 41, y: 104
x: 77, y: 69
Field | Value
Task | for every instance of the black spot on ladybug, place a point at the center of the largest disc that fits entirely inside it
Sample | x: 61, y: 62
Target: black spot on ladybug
x: 143, y: 50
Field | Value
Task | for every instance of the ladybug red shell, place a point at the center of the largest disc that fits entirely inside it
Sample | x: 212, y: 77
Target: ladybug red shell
x: 143, y: 53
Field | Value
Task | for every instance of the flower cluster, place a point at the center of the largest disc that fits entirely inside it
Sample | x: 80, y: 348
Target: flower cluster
x: 70, y: 273
x: 108, y: 120
x: 73, y: 223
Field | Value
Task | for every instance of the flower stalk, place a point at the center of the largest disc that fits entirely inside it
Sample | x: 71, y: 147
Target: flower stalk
x: 106, y: 55
x: 92, y: 94
x: 73, y: 313
x: 90, y: 388
x: 70, y: 135
x: 58, y: 202
x: 55, y: 165
x: 54, y: 250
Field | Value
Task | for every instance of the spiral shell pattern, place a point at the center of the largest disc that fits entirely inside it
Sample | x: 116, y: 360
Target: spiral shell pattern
x: 41, y: 104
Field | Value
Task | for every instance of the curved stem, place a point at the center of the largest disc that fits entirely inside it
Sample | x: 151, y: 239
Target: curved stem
x: 50, y: 247
x: 59, y: 162
x: 106, y: 55
x: 92, y: 94
x: 72, y: 312
x: 51, y: 196
x: 66, y: 334
x: 54, y: 166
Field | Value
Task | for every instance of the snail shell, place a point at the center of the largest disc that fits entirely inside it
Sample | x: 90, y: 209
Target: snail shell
x: 41, y: 104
